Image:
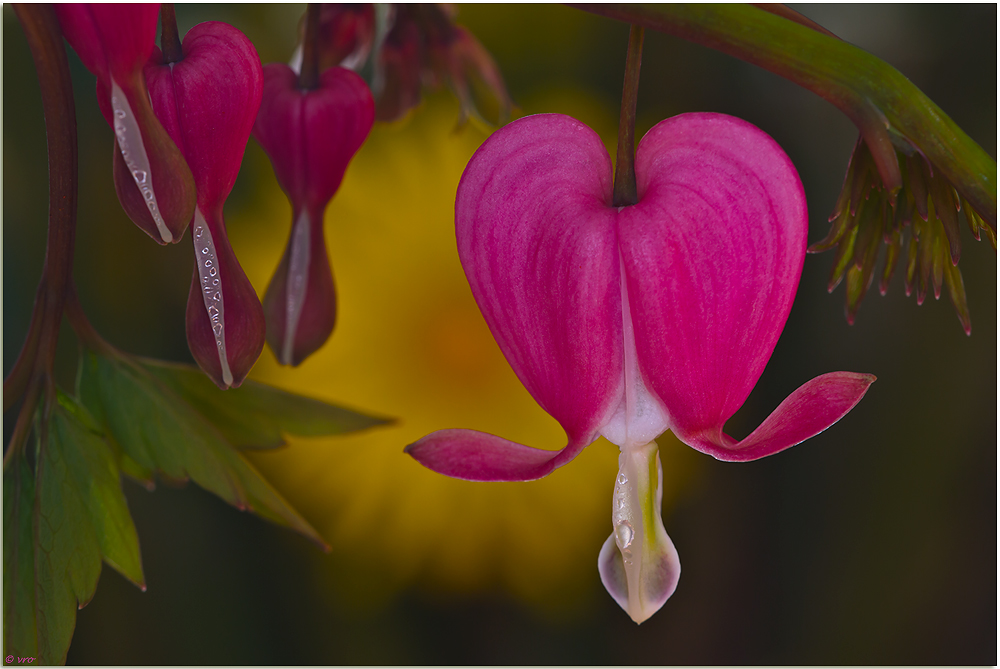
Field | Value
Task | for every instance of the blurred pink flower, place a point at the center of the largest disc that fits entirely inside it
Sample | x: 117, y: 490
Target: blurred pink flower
x: 310, y: 136
x: 208, y: 102
x: 629, y: 321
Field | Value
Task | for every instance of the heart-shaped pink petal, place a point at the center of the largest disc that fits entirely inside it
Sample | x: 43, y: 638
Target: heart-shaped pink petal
x: 537, y: 240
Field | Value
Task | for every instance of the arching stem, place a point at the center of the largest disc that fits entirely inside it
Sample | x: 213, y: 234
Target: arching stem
x: 625, y: 192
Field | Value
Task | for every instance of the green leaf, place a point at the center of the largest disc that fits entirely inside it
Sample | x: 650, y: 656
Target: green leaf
x: 257, y: 415
x: 20, y: 630
x: 58, y: 525
x: 159, y: 431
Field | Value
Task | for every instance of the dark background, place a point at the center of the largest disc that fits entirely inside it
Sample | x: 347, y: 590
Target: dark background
x: 875, y: 545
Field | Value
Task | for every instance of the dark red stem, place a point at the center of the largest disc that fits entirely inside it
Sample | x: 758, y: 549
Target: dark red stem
x: 170, y: 41
x: 41, y: 27
x: 309, y: 75
x: 625, y: 192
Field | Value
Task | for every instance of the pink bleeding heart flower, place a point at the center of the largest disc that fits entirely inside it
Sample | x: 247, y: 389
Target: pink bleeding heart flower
x: 310, y: 136
x: 629, y: 321
x: 208, y: 102
x: 153, y: 182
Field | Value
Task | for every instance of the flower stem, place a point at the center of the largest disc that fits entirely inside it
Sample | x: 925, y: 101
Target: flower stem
x: 170, y: 41
x: 871, y: 92
x: 625, y: 192
x: 309, y: 75
x: 41, y: 28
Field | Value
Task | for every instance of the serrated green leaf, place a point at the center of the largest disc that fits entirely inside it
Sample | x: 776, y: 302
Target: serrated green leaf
x: 94, y: 472
x: 58, y: 525
x: 161, y: 432
x: 257, y: 415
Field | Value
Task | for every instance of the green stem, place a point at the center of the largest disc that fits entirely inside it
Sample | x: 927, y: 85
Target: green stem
x: 871, y: 92
x: 170, y: 40
x: 625, y: 192
x: 309, y: 74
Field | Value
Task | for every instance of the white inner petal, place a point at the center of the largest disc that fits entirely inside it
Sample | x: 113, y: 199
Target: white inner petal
x: 296, y: 283
x: 639, y: 418
x: 134, y: 154
x: 206, y: 261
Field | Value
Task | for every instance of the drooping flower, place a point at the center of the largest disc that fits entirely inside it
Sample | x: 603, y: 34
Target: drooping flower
x: 153, y: 182
x: 412, y: 47
x: 629, y: 321
x: 310, y: 136
x: 208, y: 102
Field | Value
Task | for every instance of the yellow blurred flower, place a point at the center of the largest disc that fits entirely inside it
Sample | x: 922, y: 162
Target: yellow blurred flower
x: 410, y: 343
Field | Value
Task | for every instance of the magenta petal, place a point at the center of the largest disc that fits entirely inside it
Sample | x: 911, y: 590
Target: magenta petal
x: 712, y: 254
x: 812, y: 408
x: 311, y: 136
x: 152, y: 180
x: 536, y: 238
x: 478, y: 456
x: 112, y: 40
x: 208, y: 102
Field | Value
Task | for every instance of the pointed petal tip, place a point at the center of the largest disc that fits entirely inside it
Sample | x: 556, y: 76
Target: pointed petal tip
x: 477, y: 456
x: 812, y: 408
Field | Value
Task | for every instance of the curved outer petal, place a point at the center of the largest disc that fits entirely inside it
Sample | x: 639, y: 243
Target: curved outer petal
x: 536, y: 237
x: 311, y: 136
x: 208, y: 102
x: 712, y: 254
x: 812, y: 408
x: 478, y: 456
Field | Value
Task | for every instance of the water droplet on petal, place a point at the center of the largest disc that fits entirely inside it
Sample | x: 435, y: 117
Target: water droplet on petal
x: 624, y: 534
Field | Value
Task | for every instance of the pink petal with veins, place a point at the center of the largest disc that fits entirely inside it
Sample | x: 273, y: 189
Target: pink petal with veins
x: 536, y: 237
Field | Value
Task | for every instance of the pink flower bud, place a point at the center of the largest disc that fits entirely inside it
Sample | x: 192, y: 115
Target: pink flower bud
x: 153, y: 182
x: 310, y: 136
x: 208, y: 102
